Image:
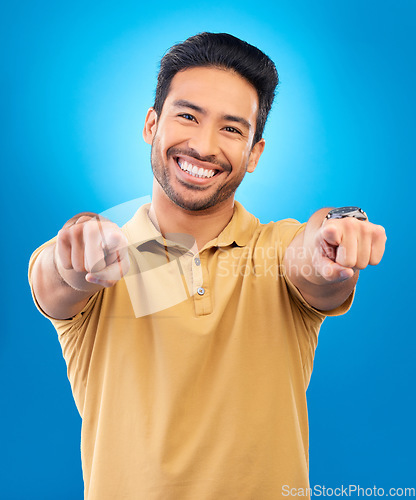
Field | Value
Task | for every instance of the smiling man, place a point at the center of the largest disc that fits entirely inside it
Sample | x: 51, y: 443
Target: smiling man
x: 190, y: 332
x: 207, y: 130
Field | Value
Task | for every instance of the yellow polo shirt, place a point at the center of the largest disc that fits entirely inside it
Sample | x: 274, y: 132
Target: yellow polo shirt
x: 190, y: 373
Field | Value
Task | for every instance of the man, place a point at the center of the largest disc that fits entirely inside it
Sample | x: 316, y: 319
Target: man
x: 189, y: 333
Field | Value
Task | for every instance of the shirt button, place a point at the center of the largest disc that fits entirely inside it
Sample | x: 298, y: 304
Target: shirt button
x: 197, y: 261
x: 201, y: 290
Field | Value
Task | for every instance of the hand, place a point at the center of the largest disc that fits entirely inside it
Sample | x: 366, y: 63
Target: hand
x: 91, y: 245
x: 346, y: 245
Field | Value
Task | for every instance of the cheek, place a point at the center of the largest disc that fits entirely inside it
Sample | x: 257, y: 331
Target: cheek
x: 167, y: 139
x: 240, y: 153
x: 159, y: 145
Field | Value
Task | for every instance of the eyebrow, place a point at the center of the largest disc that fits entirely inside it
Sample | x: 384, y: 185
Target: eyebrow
x: 183, y: 103
x: 237, y: 119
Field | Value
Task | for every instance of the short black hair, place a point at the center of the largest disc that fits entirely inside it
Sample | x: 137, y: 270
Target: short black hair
x: 221, y: 50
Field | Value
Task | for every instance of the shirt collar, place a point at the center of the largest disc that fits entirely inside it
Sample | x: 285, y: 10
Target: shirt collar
x: 140, y: 229
x: 239, y: 230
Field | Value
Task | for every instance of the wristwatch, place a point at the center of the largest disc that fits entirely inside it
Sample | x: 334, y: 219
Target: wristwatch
x: 340, y: 213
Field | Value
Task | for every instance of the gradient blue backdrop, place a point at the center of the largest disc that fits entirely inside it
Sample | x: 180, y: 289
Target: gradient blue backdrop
x: 76, y: 81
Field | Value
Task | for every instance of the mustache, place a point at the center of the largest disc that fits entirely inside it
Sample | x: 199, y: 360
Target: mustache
x: 194, y: 154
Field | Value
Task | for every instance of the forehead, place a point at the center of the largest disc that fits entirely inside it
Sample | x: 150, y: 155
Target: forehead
x: 216, y: 90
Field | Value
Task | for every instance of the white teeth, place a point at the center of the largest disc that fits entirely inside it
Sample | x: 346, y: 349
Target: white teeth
x: 194, y: 170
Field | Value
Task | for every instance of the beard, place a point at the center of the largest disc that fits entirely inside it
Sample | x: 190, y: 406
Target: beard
x: 192, y: 197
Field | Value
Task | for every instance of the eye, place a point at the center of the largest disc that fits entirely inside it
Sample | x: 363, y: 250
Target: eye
x: 187, y: 116
x: 232, y: 130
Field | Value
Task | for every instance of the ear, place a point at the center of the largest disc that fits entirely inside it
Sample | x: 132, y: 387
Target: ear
x: 255, y: 154
x: 150, y: 126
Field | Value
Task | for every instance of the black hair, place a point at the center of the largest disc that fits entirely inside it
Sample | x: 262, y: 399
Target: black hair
x: 221, y: 50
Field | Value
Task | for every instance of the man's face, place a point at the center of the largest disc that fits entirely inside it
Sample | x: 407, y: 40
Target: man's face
x: 201, y: 142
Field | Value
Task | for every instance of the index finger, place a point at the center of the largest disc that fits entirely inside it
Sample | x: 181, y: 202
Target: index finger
x: 94, y: 251
x: 331, y: 233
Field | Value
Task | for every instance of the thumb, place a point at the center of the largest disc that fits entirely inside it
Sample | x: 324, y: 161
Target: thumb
x: 334, y: 272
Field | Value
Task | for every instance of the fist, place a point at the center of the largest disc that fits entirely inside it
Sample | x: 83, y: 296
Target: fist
x: 95, y: 246
x: 346, y: 245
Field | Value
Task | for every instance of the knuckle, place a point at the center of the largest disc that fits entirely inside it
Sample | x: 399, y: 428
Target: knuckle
x: 349, y: 224
x: 84, y: 219
x: 330, y: 230
x: 350, y: 221
x: 348, y: 262
x: 345, y: 259
x: 368, y: 228
x: 66, y: 264
x: 88, y: 226
x: 329, y: 225
x: 74, y: 233
x: 78, y: 267
x: 77, y: 229
x: 91, y: 230
x: 63, y: 236
x: 78, y: 261
x: 381, y: 232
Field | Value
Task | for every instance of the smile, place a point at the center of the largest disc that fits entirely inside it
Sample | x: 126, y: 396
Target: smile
x: 195, y: 171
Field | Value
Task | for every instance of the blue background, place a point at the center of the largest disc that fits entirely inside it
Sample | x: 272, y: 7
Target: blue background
x: 76, y: 81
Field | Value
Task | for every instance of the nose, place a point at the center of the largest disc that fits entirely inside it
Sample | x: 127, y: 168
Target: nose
x: 204, y: 140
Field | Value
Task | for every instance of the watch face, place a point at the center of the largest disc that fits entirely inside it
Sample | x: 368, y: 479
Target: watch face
x: 345, y: 211
x: 339, y: 213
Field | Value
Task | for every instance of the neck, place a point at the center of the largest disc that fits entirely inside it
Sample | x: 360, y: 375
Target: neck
x: 201, y: 225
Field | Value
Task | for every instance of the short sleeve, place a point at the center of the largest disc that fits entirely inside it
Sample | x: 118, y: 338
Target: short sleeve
x: 76, y: 336
x: 32, y: 261
x: 306, y: 319
x: 303, y: 304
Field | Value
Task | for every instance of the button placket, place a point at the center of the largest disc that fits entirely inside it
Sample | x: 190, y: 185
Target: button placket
x: 202, y: 296
x: 197, y: 274
x: 186, y: 262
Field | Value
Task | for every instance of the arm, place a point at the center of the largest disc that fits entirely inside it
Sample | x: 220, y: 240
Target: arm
x: 323, y: 261
x: 90, y: 253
